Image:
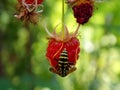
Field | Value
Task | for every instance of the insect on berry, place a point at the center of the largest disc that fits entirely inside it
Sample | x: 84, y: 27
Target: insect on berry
x: 63, y: 53
x: 64, y: 67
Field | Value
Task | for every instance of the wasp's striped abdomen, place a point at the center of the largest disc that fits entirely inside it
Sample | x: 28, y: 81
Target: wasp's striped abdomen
x: 63, y: 68
x: 63, y: 63
x: 63, y: 59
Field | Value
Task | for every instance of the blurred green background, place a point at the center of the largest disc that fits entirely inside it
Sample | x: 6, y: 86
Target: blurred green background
x: 23, y: 65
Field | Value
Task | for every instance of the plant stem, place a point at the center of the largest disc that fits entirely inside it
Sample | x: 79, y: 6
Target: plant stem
x: 63, y: 19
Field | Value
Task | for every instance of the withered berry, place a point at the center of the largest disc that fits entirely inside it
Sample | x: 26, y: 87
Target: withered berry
x: 27, y: 11
x: 83, y: 12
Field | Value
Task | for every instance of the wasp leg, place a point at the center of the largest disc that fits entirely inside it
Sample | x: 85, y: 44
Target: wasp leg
x: 72, y: 69
x: 53, y: 70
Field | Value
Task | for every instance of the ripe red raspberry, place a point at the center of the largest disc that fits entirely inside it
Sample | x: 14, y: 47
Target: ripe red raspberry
x: 56, y: 47
x: 83, y: 12
x: 31, y: 1
x: 68, y: 47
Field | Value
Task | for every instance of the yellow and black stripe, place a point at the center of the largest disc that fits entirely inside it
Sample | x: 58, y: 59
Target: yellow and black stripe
x: 64, y: 67
x: 63, y: 59
x: 63, y: 63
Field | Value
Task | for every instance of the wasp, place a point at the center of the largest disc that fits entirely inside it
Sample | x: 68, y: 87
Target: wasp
x: 64, y: 67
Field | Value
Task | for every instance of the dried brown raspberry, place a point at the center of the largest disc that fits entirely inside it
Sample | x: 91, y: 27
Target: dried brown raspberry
x: 27, y: 11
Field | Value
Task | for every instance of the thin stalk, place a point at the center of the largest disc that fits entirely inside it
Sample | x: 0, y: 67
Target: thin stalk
x: 63, y: 19
x: 75, y: 33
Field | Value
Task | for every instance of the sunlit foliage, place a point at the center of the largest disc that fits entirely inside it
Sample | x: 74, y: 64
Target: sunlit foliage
x: 23, y: 65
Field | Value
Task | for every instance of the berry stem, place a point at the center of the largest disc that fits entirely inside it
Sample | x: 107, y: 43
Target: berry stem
x: 75, y: 33
x: 63, y: 19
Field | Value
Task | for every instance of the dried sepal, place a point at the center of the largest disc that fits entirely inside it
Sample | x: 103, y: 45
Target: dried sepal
x: 59, y: 36
x: 28, y: 12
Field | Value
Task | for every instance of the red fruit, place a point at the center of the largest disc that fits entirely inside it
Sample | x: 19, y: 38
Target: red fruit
x: 31, y: 1
x: 56, y: 47
x: 83, y: 12
x: 62, y: 53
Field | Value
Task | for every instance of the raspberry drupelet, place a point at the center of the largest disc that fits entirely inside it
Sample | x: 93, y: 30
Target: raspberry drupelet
x: 62, y: 53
